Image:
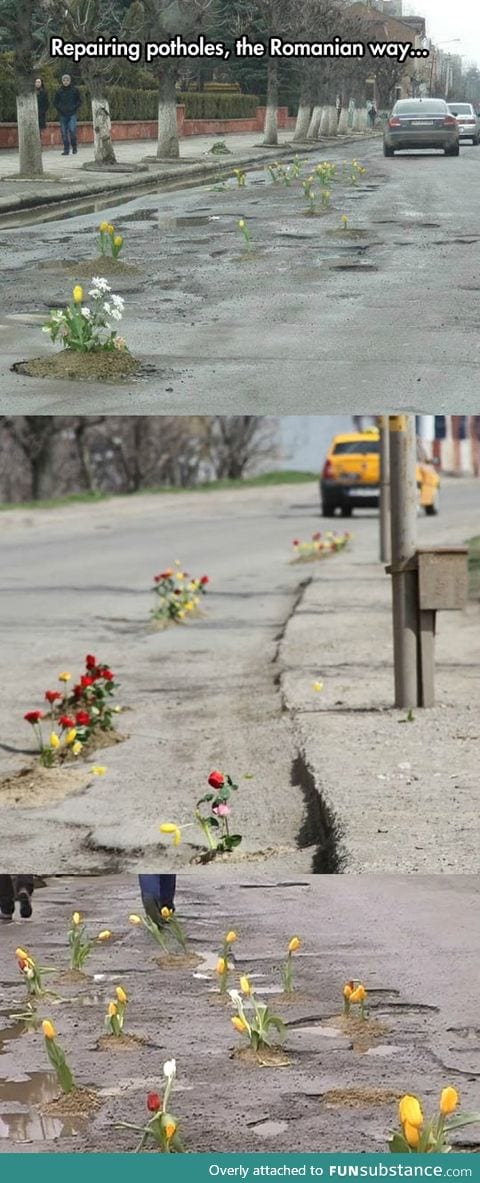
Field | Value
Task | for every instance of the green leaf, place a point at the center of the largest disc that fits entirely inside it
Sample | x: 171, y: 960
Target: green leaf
x: 398, y: 1145
x: 232, y: 841
x: 463, y: 1119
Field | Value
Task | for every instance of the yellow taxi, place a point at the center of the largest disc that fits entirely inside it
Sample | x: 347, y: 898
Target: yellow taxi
x: 351, y: 475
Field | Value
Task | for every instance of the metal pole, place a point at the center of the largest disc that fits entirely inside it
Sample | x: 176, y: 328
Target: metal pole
x: 403, y: 493
x: 384, y: 490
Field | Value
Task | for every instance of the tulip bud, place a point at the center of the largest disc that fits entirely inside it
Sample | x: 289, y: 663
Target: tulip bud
x: 294, y: 945
x: 112, y: 1009
x: 104, y: 935
x: 154, y: 1102
x: 448, y: 1101
x: 245, y: 985
x: 135, y: 919
x: 48, y: 1029
x: 410, y: 1111
x: 121, y: 995
x: 221, y: 965
x: 239, y: 1024
x: 230, y: 937
x: 54, y: 740
x: 411, y: 1134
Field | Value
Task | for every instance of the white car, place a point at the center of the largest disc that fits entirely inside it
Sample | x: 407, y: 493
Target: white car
x: 468, y: 121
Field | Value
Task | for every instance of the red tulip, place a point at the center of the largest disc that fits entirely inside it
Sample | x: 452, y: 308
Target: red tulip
x: 204, y: 580
x: 296, y: 542
x: 33, y: 716
x: 154, y: 1102
x: 66, y: 721
x: 82, y: 718
x: 90, y: 661
x: 216, y: 780
x: 85, y: 681
x: 52, y: 695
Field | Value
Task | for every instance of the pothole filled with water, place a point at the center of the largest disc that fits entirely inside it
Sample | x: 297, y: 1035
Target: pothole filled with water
x: 20, y: 1119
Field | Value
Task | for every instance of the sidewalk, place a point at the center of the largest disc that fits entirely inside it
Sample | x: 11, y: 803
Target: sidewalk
x: 65, y: 179
x: 403, y: 794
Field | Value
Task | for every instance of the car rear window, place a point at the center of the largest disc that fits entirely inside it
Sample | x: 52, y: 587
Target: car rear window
x: 425, y: 107
x: 357, y: 448
x: 460, y: 108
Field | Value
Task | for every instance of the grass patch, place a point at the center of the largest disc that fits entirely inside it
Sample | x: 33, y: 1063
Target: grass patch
x: 267, y: 479
x: 474, y: 567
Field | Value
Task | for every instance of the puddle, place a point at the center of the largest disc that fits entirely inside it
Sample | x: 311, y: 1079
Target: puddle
x: 14, y: 1031
x: 18, y: 1119
x: 269, y: 1129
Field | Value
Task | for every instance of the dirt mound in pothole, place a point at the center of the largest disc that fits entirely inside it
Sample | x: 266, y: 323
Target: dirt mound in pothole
x: 357, y: 1097
x: 101, y: 366
x: 35, y: 785
x: 178, y: 961
x: 79, y: 1103
x: 118, y: 1043
x: 363, y: 1032
x: 269, y: 1057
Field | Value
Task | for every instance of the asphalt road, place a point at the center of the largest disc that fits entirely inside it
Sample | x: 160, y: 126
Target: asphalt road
x: 312, y: 322
x: 334, y: 1095
x: 77, y: 580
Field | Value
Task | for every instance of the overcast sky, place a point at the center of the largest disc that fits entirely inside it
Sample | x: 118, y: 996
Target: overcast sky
x: 446, y: 20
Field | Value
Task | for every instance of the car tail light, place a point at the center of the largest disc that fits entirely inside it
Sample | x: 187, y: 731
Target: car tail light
x: 449, y: 121
x: 395, y: 122
x: 328, y: 470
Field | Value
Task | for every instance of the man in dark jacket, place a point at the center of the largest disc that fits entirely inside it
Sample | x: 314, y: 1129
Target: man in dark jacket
x: 42, y: 103
x: 67, y: 101
x: 12, y: 888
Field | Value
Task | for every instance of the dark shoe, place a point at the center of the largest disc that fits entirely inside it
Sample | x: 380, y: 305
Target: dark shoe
x: 64, y: 153
x: 74, y: 151
x: 25, y: 904
x: 6, y: 917
x: 152, y: 909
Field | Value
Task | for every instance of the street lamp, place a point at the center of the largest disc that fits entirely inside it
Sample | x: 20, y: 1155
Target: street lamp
x: 453, y: 41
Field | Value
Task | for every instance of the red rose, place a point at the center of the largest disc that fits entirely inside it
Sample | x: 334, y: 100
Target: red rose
x: 33, y: 716
x: 316, y: 537
x: 52, y: 695
x: 216, y: 780
x: 107, y: 674
x: 82, y: 718
x: 66, y: 721
x: 90, y: 661
x: 295, y: 542
x: 154, y: 1102
x: 204, y: 580
x: 85, y: 681
x: 77, y: 691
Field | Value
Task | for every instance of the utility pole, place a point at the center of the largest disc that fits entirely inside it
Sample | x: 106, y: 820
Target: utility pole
x: 384, y: 501
x: 403, y: 493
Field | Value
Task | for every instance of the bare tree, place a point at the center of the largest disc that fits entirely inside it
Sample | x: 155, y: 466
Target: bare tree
x: 236, y: 443
x: 18, y: 18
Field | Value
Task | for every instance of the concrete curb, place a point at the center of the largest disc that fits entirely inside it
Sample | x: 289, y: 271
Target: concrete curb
x: 179, y: 175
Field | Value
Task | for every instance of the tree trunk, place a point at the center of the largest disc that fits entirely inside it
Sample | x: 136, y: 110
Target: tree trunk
x: 314, y: 126
x: 167, y: 145
x: 304, y: 109
x: 102, y: 131
x: 270, y: 136
x: 29, y: 143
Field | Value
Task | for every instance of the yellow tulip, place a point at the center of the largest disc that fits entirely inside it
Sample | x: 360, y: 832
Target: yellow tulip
x: 170, y: 828
x: 76, y: 918
x: 121, y: 995
x: 98, y: 769
x: 135, y: 919
x: 410, y: 1111
x: 22, y: 955
x: 347, y: 991
x: 448, y: 1100
x: 77, y: 294
x: 239, y: 1023
x: 318, y: 686
x: 76, y: 748
x: 48, y: 1029
x: 166, y: 913
x: 221, y: 965
x: 110, y: 228
x: 170, y: 1129
x: 358, y: 995
x: 245, y: 985
x: 241, y: 224
x: 411, y: 1134
x: 54, y: 740
x: 104, y: 227
x: 104, y: 935
x: 118, y: 240
x: 112, y: 1009
x: 230, y: 937
x: 294, y: 945
x: 64, y: 677
x: 71, y: 735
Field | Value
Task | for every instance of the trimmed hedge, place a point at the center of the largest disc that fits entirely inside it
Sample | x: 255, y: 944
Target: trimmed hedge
x: 218, y: 105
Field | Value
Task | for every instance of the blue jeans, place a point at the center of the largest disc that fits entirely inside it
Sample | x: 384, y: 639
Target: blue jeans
x: 159, y: 888
x: 68, y: 128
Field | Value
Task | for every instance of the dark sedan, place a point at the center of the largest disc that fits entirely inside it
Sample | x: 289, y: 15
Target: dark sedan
x: 421, y: 123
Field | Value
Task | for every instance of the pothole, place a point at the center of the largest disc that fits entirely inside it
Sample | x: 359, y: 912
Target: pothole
x: 269, y: 1129
x: 22, y: 1123
x: 357, y: 1098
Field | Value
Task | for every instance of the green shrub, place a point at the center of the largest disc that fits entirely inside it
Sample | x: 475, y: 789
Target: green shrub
x: 219, y: 105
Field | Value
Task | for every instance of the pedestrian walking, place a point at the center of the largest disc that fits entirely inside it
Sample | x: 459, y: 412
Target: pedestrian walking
x: 372, y: 114
x: 158, y: 891
x: 42, y: 103
x: 15, y: 889
x: 67, y: 101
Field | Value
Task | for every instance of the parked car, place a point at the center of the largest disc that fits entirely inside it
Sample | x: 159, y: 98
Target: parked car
x: 421, y: 123
x: 468, y: 121
x: 351, y: 475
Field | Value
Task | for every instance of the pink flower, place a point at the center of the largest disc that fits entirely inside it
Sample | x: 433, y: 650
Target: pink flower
x: 221, y: 810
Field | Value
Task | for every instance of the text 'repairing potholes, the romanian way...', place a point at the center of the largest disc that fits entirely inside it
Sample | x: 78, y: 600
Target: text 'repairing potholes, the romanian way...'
x: 243, y: 47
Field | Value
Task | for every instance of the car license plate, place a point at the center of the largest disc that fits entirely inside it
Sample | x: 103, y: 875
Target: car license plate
x: 366, y: 491
x: 424, y: 123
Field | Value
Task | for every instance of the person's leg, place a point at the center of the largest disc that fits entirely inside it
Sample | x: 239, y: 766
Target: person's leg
x: 24, y: 892
x: 73, y: 133
x: 158, y: 891
x: 64, y: 131
x: 168, y: 885
x: 7, y: 897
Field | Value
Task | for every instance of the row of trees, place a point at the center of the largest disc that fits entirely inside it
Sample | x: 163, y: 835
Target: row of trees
x: 53, y: 456
x: 26, y: 25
